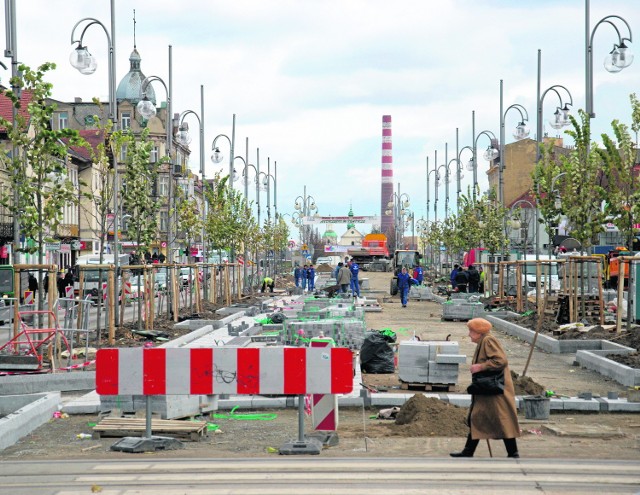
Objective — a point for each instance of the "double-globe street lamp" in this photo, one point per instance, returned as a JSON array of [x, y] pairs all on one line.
[[490, 154], [86, 64], [521, 132], [304, 204], [560, 119], [245, 175], [266, 183], [184, 137], [397, 206], [619, 58], [147, 109], [217, 156]]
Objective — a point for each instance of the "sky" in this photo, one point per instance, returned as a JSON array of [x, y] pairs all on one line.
[[309, 80]]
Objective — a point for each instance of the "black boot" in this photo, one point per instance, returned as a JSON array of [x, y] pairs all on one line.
[[512, 448], [469, 448]]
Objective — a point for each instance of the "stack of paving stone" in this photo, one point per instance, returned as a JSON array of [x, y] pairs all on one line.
[[350, 333], [310, 328], [429, 362], [420, 292], [462, 306], [343, 310]]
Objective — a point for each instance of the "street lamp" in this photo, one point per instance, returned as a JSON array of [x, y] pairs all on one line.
[[561, 119], [459, 174], [147, 109], [490, 154], [245, 175], [397, 205], [304, 204], [82, 60], [516, 223], [521, 132], [217, 156], [184, 137], [619, 58], [266, 182]]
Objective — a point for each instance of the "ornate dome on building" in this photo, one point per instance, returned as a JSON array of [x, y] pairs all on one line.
[[130, 87]]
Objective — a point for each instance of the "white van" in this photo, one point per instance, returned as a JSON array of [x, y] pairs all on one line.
[[92, 277], [548, 271]]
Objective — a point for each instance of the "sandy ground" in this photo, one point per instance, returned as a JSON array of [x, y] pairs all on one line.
[[564, 435]]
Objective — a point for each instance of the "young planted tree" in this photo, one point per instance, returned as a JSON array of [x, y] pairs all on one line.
[[139, 176], [548, 188], [491, 219], [623, 202], [36, 161], [583, 185], [97, 198]]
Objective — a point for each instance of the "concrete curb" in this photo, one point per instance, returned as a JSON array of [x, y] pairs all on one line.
[[57, 382], [24, 414]]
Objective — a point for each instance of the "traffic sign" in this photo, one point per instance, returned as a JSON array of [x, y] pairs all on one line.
[[53, 246]]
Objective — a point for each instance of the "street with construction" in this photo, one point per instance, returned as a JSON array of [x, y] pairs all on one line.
[[591, 416]]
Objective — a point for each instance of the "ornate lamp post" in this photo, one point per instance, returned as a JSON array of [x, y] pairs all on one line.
[[217, 156], [305, 204], [147, 109], [184, 137], [560, 119], [521, 132], [619, 58], [397, 205], [245, 174], [490, 154], [82, 60]]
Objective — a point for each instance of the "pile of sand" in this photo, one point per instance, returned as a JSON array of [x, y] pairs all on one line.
[[421, 416]]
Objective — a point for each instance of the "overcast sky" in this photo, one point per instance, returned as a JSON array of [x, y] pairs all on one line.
[[309, 80]]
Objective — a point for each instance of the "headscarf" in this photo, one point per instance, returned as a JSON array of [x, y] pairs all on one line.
[[479, 325]]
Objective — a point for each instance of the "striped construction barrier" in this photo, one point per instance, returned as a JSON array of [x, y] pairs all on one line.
[[220, 370], [324, 407]]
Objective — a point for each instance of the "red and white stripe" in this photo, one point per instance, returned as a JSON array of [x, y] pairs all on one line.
[[272, 370], [324, 407]]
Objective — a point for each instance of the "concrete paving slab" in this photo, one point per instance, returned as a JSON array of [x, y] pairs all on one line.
[[583, 431], [23, 417]]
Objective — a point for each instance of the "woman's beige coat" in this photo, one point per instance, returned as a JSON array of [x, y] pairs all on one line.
[[494, 416]]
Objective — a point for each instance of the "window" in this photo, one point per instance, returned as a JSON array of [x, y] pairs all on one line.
[[164, 221], [153, 157], [125, 120], [163, 185], [123, 153], [63, 120]]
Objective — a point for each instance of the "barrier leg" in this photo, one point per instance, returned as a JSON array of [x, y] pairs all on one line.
[[147, 443], [302, 445]]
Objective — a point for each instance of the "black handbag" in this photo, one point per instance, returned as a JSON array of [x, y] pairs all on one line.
[[490, 382]]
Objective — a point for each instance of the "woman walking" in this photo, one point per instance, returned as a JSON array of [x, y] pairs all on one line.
[[490, 416]]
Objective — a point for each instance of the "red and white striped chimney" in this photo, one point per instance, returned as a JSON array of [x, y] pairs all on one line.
[[386, 192]]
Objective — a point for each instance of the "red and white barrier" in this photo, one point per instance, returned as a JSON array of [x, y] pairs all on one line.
[[324, 407], [272, 370], [28, 297]]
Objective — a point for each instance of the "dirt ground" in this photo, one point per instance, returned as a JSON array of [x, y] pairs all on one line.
[[423, 426]]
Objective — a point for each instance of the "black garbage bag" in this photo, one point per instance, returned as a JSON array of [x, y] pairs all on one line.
[[277, 318], [376, 355]]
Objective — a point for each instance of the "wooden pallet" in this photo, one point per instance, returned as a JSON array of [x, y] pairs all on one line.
[[125, 427], [428, 387]]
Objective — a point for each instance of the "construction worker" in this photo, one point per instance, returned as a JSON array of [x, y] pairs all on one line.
[[355, 284], [297, 274], [418, 273], [267, 282], [311, 278], [404, 283]]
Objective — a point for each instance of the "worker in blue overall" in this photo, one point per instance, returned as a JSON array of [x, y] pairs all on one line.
[[418, 273], [404, 283], [297, 274], [355, 284], [303, 277], [311, 278]]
